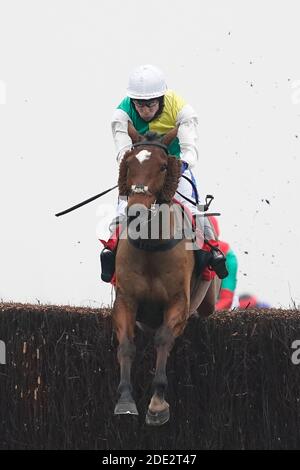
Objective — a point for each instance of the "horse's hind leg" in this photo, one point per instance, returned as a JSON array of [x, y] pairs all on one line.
[[158, 410], [124, 321]]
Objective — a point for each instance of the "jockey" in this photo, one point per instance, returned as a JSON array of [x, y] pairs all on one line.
[[249, 300], [228, 285], [151, 106]]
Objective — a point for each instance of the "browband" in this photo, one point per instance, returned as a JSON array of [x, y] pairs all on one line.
[[155, 144]]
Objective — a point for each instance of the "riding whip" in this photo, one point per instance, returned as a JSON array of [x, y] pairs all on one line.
[[85, 202]]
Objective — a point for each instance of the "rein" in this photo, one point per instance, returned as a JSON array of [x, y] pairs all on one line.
[[147, 245], [208, 199]]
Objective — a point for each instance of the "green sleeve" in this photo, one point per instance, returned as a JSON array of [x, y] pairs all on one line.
[[232, 265], [125, 105]]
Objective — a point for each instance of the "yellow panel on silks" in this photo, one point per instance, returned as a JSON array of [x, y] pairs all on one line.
[[166, 121]]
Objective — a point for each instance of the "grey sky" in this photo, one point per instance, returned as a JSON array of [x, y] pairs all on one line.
[[64, 67]]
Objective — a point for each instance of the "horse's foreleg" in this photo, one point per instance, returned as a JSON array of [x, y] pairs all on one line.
[[124, 321], [208, 304], [173, 326]]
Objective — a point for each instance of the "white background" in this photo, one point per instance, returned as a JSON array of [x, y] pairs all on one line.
[[64, 67]]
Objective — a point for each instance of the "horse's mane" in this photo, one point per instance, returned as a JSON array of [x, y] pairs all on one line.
[[172, 176]]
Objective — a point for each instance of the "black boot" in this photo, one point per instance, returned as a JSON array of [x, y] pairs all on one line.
[[218, 263], [107, 261], [107, 256], [218, 259]]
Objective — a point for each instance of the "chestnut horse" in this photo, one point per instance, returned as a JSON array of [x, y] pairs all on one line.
[[156, 284]]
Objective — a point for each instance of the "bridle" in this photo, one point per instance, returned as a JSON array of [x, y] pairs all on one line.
[[141, 188], [154, 144], [152, 211]]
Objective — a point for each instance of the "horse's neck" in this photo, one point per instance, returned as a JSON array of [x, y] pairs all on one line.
[[165, 222], [168, 222], [161, 223]]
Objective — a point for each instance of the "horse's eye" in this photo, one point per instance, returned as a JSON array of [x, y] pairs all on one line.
[[163, 167]]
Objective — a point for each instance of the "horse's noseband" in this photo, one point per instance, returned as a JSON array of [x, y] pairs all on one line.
[[139, 188]]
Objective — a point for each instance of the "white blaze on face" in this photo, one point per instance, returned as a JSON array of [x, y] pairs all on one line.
[[143, 155]]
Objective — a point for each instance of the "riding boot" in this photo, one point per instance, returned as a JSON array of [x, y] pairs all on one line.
[[108, 254], [107, 262], [217, 261]]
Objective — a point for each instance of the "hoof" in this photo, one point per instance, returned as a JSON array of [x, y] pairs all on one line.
[[126, 408], [159, 418]]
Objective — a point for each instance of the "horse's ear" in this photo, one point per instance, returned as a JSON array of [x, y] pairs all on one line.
[[167, 139], [133, 133]]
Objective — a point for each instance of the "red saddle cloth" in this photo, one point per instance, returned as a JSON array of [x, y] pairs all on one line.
[[207, 273], [113, 241]]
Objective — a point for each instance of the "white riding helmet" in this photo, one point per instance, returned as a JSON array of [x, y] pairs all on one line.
[[146, 82]]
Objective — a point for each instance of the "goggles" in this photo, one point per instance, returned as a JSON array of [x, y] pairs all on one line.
[[148, 103]]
